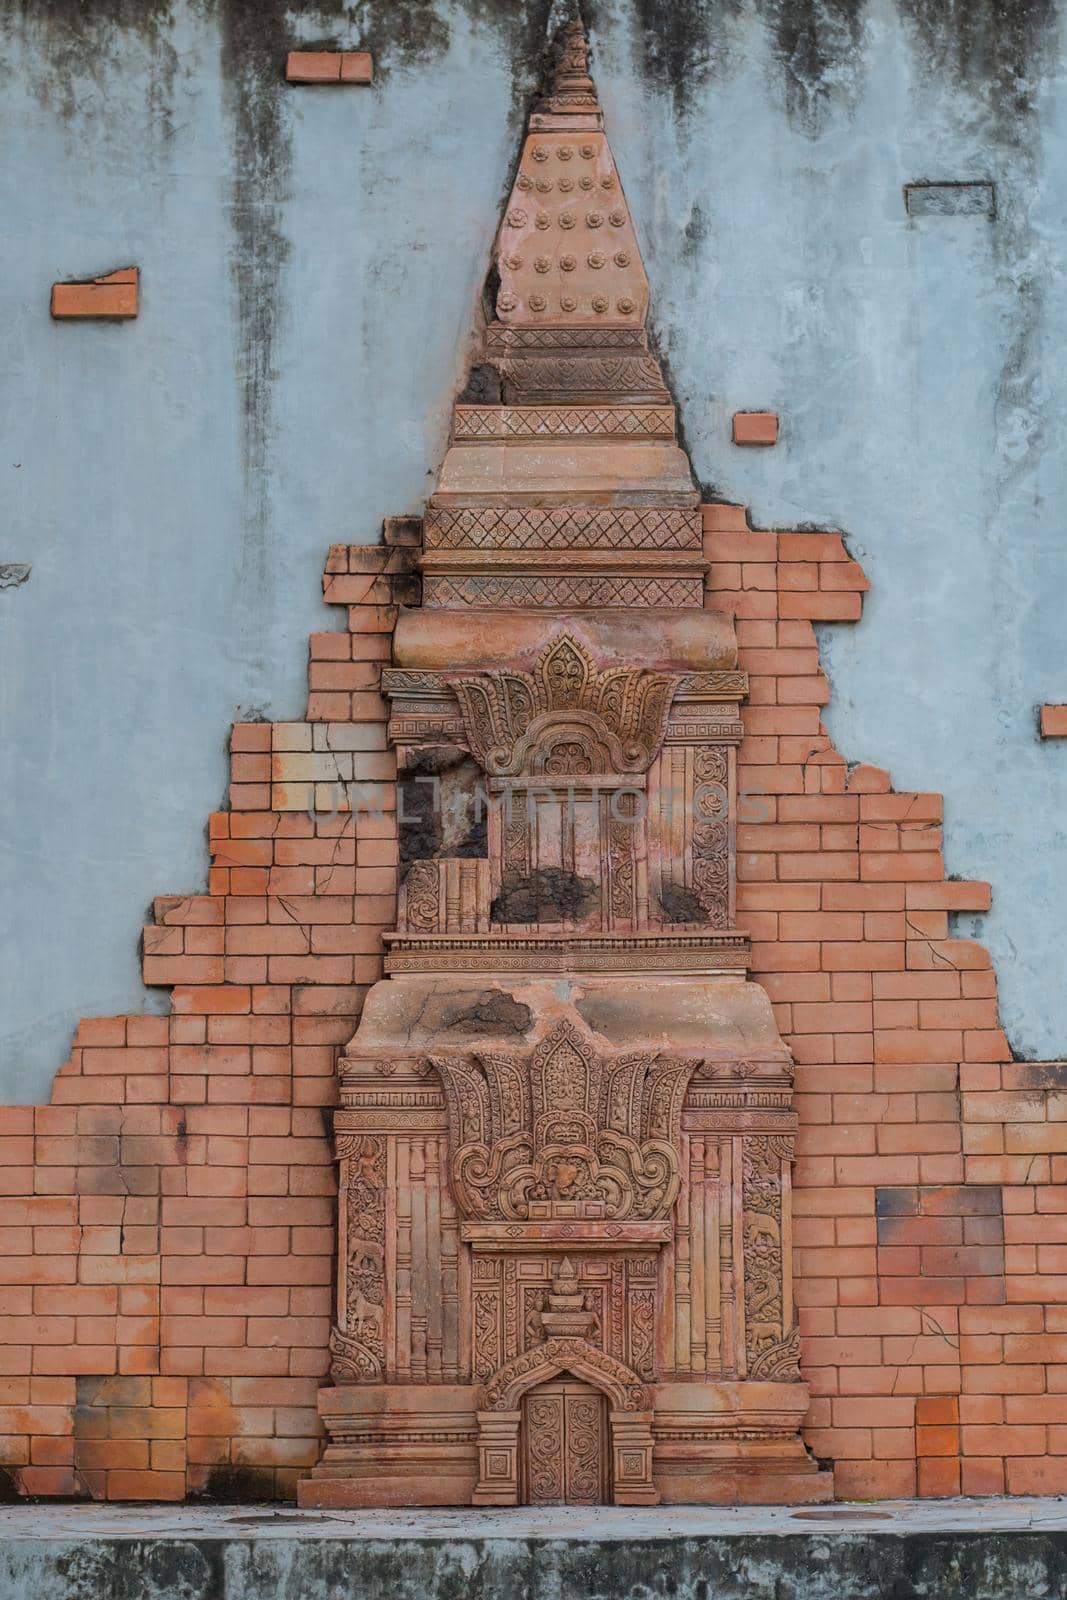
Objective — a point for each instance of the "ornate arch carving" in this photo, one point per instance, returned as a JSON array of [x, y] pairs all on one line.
[[566, 717], [620, 1383], [536, 1133]]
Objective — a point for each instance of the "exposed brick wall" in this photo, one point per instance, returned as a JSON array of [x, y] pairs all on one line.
[[166, 1245], [930, 1217], [167, 1239]]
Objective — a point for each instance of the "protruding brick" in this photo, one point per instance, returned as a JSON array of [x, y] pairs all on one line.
[[755, 427], [1054, 722], [112, 297], [329, 66]]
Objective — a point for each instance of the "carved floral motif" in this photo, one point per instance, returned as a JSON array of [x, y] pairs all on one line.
[[564, 1132], [566, 716], [771, 1352], [618, 1381], [359, 1349]]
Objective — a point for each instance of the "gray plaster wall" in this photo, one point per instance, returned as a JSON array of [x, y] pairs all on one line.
[[310, 260]]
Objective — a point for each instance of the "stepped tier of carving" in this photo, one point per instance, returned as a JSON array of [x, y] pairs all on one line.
[[565, 1129]]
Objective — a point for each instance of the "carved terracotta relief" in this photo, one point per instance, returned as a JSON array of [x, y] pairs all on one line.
[[565, 1130]]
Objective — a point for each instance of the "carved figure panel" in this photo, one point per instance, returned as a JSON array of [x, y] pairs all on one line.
[[358, 1344], [771, 1343]]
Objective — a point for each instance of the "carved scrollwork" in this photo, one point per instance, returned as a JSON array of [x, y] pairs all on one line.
[[359, 1348], [711, 834], [351, 1361], [620, 860], [566, 716], [621, 1384], [779, 1361], [564, 1132], [767, 1345], [643, 1331], [420, 906]]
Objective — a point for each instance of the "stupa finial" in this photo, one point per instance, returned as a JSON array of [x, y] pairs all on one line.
[[569, 90]]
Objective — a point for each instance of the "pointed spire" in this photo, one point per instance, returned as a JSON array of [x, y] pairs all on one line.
[[564, 355], [569, 92], [567, 254]]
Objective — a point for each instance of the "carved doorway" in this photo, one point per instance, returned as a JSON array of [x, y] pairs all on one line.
[[564, 1445]]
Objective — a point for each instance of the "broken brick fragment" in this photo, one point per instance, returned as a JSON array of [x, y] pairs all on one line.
[[114, 296]]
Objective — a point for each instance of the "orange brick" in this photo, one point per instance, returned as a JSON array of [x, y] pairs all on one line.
[[111, 297], [755, 428], [939, 1477], [937, 1410], [313, 66], [982, 1475]]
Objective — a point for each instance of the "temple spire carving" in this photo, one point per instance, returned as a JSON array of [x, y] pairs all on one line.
[[569, 91], [565, 1127]]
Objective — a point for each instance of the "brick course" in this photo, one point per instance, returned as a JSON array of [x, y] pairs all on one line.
[[329, 66]]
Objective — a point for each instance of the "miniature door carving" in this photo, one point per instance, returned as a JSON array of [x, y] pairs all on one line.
[[564, 1445]]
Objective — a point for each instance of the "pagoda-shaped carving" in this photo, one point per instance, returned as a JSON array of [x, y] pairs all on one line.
[[565, 1130]]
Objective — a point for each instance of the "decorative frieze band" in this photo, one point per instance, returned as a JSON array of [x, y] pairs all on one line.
[[563, 528], [577, 378], [500, 340], [502, 952], [551, 591], [562, 422], [398, 681]]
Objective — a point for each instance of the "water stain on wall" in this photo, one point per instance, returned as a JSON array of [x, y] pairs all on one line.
[[681, 43], [685, 44], [997, 54], [819, 45], [83, 40], [255, 36], [998, 50]]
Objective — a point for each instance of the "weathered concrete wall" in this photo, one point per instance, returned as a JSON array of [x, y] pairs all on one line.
[[175, 481], [971, 1551]]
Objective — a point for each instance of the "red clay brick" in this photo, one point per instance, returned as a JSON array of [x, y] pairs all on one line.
[[114, 296], [755, 428]]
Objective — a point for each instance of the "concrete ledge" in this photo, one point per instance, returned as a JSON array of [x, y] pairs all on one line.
[[901, 1550]]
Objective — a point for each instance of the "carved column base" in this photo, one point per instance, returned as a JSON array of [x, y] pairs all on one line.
[[498, 1459], [395, 1445], [631, 1459], [721, 1443]]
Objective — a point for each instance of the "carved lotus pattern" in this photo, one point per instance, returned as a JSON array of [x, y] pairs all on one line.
[[566, 716], [564, 1132]]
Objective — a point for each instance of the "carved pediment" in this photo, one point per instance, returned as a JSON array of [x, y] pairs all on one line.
[[566, 717], [564, 1131], [622, 1385]]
